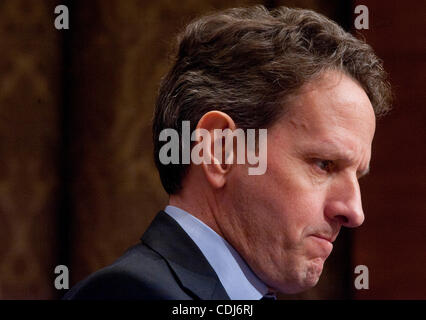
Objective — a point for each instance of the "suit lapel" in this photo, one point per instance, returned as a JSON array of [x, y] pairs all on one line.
[[195, 274]]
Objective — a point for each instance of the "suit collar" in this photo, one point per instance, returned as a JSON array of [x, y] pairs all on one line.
[[168, 239]]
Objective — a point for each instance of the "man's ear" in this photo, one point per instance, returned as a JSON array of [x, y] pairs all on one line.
[[214, 166]]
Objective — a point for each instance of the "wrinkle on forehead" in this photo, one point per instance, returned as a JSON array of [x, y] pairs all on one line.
[[331, 101]]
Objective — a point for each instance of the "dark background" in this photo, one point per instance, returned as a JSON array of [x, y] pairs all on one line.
[[77, 180]]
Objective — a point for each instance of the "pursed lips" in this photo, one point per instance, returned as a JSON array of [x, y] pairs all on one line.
[[326, 241], [328, 238]]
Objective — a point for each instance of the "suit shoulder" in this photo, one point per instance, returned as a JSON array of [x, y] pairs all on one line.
[[139, 274]]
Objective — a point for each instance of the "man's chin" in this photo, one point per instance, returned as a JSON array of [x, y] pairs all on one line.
[[303, 279], [313, 272]]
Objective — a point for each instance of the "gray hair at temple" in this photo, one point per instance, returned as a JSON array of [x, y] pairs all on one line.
[[245, 62]]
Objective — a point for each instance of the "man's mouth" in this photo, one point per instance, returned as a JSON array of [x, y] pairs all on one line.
[[325, 244], [325, 237]]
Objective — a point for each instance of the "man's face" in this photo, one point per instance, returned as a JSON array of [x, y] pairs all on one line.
[[283, 222]]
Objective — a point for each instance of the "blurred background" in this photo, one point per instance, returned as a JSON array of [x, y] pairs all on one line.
[[77, 181]]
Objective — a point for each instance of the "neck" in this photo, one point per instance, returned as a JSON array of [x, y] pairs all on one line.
[[199, 205]]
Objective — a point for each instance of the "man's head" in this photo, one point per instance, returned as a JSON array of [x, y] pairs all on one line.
[[246, 61], [283, 222], [317, 90]]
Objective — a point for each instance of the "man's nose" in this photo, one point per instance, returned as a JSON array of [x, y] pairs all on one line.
[[344, 203]]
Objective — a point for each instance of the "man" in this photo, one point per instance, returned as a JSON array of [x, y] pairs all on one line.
[[227, 234]]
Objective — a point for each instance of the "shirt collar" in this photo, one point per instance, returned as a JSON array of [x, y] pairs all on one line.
[[235, 275]]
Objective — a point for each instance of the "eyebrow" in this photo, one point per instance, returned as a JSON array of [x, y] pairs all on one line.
[[334, 151], [331, 150]]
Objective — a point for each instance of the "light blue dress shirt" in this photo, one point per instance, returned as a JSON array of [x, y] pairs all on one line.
[[239, 281]]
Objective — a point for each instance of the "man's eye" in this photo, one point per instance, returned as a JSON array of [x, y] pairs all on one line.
[[325, 165]]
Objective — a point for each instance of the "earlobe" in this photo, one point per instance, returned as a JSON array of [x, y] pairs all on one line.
[[216, 174]]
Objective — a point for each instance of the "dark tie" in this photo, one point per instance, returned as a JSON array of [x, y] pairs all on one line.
[[268, 297]]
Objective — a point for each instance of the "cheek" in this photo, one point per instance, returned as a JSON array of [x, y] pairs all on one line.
[[258, 203], [283, 204], [305, 216], [296, 202]]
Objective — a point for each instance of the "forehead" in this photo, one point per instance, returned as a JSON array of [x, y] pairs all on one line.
[[330, 108]]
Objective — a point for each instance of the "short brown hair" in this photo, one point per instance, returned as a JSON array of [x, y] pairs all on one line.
[[245, 61]]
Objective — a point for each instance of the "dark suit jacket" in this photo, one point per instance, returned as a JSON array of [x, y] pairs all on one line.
[[167, 264]]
